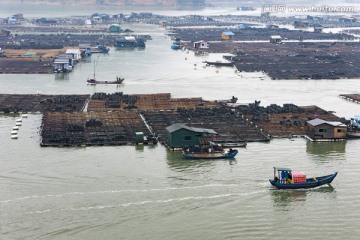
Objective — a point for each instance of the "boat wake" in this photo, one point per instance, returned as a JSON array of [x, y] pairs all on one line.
[[115, 192], [129, 204]]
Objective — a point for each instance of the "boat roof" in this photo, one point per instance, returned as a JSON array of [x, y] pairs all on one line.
[[282, 169]]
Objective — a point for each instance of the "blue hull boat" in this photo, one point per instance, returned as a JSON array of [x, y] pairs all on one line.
[[215, 155], [309, 183]]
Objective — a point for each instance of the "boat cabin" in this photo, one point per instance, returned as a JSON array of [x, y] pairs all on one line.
[[286, 175]]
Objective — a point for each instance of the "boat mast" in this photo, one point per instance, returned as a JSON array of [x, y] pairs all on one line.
[[95, 64]]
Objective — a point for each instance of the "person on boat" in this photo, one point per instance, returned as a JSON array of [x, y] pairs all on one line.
[[289, 178]]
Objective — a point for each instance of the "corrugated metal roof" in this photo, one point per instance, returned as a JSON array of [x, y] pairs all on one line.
[[61, 61], [318, 121], [275, 37], [177, 126], [228, 33]]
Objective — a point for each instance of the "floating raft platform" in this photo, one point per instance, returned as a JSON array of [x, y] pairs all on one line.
[[42, 103], [115, 119], [351, 97], [288, 120], [91, 128], [144, 102]]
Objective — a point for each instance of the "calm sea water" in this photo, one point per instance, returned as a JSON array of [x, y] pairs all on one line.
[[148, 192]]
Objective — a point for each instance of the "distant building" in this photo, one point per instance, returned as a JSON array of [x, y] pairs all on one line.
[[201, 45], [115, 28], [162, 24], [13, 21], [348, 20], [318, 28], [180, 135], [241, 26], [129, 42], [301, 24], [62, 65], [76, 54], [88, 22], [227, 35], [272, 26], [319, 129], [145, 14], [275, 39], [4, 33], [246, 8], [19, 16], [46, 21]]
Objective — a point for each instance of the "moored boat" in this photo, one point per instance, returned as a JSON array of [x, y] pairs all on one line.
[[210, 154], [285, 178], [220, 63], [94, 81], [234, 144]]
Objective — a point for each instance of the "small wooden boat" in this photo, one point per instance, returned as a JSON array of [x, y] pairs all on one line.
[[219, 63], [94, 81], [284, 178], [234, 144], [210, 155]]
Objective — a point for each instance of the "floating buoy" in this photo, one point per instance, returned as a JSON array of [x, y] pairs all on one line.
[[15, 128], [14, 136], [13, 132]]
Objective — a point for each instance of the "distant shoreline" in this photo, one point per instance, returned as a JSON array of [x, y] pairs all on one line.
[[83, 3]]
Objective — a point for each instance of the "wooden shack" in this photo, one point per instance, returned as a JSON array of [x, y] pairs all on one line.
[[275, 39], [180, 135], [319, 129], [227, 35]]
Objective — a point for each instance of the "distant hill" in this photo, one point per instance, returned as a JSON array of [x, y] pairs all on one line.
[[117, 2]]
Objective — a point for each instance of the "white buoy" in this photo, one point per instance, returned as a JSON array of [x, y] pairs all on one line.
[[14, 132], [14, 136], [15, 128]]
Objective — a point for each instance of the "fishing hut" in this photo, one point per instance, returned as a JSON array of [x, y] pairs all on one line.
[[321, 130], [180, 135]]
